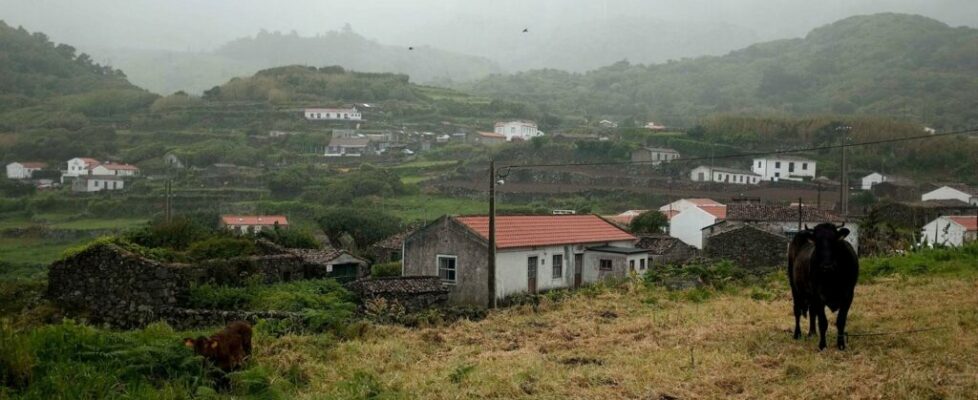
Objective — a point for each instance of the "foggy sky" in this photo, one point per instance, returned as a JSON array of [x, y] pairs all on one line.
[[200, 25]]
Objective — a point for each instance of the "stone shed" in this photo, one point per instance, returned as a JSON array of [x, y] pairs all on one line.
[[748, 246], [664, 249], [415, 293]]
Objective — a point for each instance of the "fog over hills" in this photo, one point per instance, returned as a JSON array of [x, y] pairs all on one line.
[[190, 45]]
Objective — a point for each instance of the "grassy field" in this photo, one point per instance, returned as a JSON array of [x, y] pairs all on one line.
[[33, 250]]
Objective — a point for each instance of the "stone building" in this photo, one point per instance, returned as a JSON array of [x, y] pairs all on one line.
[[748, 246], [664, 250], [414, 293]]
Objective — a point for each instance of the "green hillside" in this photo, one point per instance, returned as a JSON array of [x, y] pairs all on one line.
[[894, 65], [44, 84]]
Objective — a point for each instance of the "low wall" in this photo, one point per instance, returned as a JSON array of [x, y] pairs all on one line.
[[183, 318], [414, 293]]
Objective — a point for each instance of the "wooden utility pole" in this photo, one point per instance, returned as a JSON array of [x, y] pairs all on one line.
[[491, 267], [844, 181], [799, 214]]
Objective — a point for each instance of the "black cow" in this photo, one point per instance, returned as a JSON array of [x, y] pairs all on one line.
[[824, 269], [801, 306]]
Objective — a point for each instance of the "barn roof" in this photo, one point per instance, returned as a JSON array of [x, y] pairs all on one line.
[[254, 219], [546, 230], [969, 222]]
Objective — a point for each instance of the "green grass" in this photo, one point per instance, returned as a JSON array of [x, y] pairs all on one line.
[[421, 164], [941, 261], [413, 179], [33, 250], [97, 223]]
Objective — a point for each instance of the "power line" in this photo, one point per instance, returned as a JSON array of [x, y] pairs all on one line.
[[970, 131]]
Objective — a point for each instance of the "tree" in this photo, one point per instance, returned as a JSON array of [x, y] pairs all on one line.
[[365, 227], [648, 222]]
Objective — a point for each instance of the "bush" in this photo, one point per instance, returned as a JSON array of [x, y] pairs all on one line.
[[392, 268], [177, 234], [221, 247], [365, 228], [292, 238]]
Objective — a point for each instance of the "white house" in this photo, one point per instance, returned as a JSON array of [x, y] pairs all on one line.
[[950, 230], [523, 130], [347, 147], [79, 166], [872, 179], [24, 170], [652, 126], [705, 173], [687, 225], [332, 114], [683, 204], [654, 155], [251, 224], [782, 167], [607, 124], [533, 254], [115, 169], [95, 183], [952, 192]]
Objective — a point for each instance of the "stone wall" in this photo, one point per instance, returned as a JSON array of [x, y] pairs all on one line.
[[415, 293], [749, 247], [107, 284], [182, 318]]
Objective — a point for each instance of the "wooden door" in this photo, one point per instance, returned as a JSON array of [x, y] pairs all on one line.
[[578, 267], [531, 274]]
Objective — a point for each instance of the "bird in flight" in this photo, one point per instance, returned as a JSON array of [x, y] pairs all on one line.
[[411, 48], [525, 30]]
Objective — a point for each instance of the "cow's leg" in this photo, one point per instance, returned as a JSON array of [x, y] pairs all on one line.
[[823, 325], [840, 326], [798, 311], [811, 321]]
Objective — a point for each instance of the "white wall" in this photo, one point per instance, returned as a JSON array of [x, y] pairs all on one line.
[[98, 185], [771, 168], [946, 193], [332, 114], [17, 171], [943, 231], [76, 167], [518, 129], [511, 268], [872, 179], [688, 225]]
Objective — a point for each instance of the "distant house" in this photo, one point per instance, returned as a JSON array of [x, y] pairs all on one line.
[[652, 126], [251, 224], [952, 192], [680, 205], [332, 114], [705, 173], [783, 167], [489, 138], [348, 147], [950, 230], [97, 183], [625, 218], [534, 253], [607, 124], [686, 224], [747, 245], [79, 166], [115, 169], [872, 179], [654, 155], [278, 134], [521, 130], [24, 170]]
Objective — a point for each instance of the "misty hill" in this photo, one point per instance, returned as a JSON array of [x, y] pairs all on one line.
[[895, 65], [572, 47], [46, 84], [168, 71]]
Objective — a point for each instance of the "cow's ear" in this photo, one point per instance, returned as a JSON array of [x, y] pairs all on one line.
[[189, 342], [842, 233]]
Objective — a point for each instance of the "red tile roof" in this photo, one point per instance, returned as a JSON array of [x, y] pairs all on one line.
[[90, 162], [116, 166], [492, 135], [39, 165], [546, 230], [704, 202], [717, 211], [969, 222], [254, 220]]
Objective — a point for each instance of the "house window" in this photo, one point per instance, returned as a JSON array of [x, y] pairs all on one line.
[[641, 264], [777, 164], [604, 265], [447, 268], [791, 167], [631, 265], [558, 266], [700, 176], [804, 166], [777, 174], [758, 164]]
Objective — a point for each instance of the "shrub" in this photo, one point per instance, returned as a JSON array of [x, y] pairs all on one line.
[[292, 238], [392, 268], [221, 247], [177, 234]]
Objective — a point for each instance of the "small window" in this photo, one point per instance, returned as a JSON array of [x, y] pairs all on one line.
[[804, 166], [758, 164], [641, 264], [777, 164], [558, 266], [777, 174], [631, 265], [447, 268], [791, 167], [604, 265]]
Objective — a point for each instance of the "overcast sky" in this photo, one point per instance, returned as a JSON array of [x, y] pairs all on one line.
[[206, 24]]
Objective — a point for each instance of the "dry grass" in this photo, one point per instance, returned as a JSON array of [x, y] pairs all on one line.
[[641, 345]]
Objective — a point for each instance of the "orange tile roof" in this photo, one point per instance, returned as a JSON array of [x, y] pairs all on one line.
[[34, 165], [546, 230], [716, 211], [90, 162], [116, 166], [254, 220], [969, 222], [491, 135], [704, 202]]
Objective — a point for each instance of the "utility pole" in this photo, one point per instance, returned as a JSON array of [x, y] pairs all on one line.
[[491, 268], [844, 190]]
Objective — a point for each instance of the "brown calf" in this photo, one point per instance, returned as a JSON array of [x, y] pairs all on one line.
[[228, 348]]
